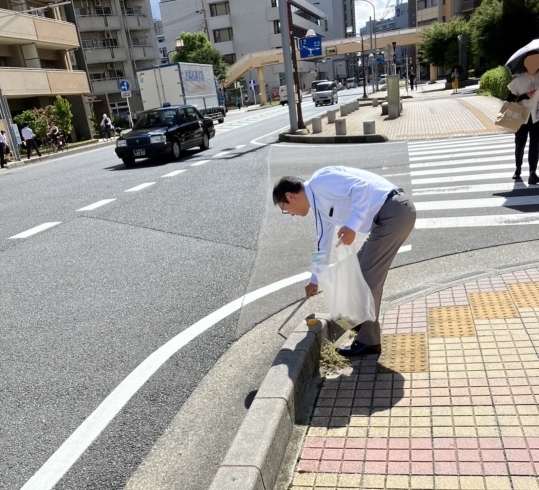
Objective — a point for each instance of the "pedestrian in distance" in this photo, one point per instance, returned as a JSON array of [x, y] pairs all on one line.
[[134, 116], [455, 80], [28, 138], [106, 127], [3, 144], [522, 89], [412, 79], [246, 100], [7, 149], [353, 200], [238, 103]]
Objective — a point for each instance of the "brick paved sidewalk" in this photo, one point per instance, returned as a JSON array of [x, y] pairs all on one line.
[[452, 403]]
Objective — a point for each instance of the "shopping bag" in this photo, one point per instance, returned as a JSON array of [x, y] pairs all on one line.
[[345, 290], [512, 116]]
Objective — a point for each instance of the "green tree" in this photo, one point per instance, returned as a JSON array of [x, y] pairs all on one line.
[[439, 42], [197, 49], [61, 112], [39, 120], [499, 28]]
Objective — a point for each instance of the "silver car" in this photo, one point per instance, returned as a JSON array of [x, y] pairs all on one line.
[[326, 93]]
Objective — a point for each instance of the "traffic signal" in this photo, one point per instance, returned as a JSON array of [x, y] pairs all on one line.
[[331, 51]]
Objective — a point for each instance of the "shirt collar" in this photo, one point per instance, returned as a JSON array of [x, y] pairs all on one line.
[[309, 193]]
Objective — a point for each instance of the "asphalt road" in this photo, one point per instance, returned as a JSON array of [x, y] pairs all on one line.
[[86, 301]]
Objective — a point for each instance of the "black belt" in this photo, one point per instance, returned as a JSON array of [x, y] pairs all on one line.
[[394, 192]]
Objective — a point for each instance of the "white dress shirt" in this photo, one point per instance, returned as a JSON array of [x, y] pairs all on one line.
[[524, 84], [344, 196], [27, 133], [3, 139]]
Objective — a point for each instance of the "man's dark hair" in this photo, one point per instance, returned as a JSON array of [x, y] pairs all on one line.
[[286, 184]]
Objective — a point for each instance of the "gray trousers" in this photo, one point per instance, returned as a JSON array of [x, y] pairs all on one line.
[[391, 228]]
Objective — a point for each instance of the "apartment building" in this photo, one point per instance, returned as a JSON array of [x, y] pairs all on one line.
[[35, 65], [429, 11], [117, 38], [239, 27], [161, 45]]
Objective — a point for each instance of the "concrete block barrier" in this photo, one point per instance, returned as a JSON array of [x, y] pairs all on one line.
[[317, 125], [375, 102], [340, 126], [369, 127], [356, 103], [344, 111], [332, 115], [385, 106]]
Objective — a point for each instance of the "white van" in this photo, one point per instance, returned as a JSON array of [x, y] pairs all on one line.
[[314, 84], [351, 83], [283, 95]]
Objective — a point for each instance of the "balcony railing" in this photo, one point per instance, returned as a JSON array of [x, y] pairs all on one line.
[[105, 54], [31, 82], [98, 22]]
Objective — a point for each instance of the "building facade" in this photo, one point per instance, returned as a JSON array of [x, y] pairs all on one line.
[[429, 11], [239, 27], [35, 62], [117, 38], [161, 45]]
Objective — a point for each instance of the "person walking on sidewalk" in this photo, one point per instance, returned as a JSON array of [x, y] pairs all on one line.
[[106, 127], [238, 103], [29, 140], [455, 78], [522, 90], [3, 144], [412, 80], [353, 200]]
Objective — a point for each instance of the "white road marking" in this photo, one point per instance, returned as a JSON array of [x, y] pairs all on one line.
[[140, 187], [36, 229], [405, 248], [489, 202], [463, 178], [75, 445], [196, 164], [239, 146], [504, 158], [457, 150], [472, 221], [457, 189], [96, 205], [458, 155], [221, 154], [173, 174], [452, 144], [458, 170]]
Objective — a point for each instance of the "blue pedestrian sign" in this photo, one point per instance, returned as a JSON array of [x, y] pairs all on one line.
[[124, 85], [310, 46], [252, 85]]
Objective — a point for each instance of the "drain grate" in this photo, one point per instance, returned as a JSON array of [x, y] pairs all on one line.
[[525, 295], [404, 353], [451, 321], [488, 306]]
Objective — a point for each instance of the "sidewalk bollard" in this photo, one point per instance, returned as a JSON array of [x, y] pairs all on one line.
[[340, 127], [369, 127], [351, 107], [317, 125], [357, 105], [344, 111], [332, 115], [375, 102]]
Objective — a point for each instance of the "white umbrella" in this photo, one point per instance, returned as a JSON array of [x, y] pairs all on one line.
[[515, 64]]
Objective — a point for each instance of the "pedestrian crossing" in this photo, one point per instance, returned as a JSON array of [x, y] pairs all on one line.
[[466, 182], [257, 116]]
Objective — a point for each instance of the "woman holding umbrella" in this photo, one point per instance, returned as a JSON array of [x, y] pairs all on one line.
[[522, 89]]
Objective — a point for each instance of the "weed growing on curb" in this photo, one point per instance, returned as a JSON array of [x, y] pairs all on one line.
[[330, 361]]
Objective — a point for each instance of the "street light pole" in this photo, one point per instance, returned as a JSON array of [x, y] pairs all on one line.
[[301, 124], [287, 61], [363, 67], [374, 29], [203, 11]]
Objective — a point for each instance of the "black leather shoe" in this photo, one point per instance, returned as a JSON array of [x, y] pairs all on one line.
[[533, 179], [359, 349], [516, 175]]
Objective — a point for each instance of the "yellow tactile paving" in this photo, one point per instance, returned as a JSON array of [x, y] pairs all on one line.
[[488, 306], [404, 353], [525, 295], [450, 321]]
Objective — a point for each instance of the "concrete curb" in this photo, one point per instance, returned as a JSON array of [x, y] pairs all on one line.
[[254, 459], [44, 158], [318, 140]]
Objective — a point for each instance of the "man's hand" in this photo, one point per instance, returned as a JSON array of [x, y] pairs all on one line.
[[311, 289], [346, 235]]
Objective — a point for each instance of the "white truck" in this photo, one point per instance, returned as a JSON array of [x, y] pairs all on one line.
[[179, 84]]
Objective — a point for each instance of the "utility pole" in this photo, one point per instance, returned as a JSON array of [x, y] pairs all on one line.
[[363, 67], [287, 60], [301, 124]]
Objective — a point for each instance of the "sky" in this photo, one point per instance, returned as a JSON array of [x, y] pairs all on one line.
[[363, 11]]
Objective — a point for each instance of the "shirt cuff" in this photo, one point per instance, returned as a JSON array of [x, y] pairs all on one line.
[[354, 223], [314, 279]]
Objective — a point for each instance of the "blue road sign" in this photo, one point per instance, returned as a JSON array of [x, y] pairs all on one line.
[[310, 46], [124, 85], [252, 84]]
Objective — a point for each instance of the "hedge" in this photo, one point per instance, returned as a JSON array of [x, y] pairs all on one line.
[[495, 82]]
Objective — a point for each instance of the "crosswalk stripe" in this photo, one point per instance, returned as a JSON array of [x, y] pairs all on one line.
[[456, 151], [503, 158], [489, 202], [458, 189], [463, 139], [461, 178], [466, 154], [478, 168], [474, 221], [452, 144]]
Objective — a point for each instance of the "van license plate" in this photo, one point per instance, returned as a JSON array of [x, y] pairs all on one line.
[[139, 153]]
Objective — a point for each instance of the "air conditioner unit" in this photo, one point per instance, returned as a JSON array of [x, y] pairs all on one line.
[[97, 3], [111, 66]]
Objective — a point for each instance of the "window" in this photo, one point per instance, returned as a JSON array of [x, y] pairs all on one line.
[[163, 52], [103, 11], [139, 41], [230, 58], [277, 27], [219, 9], [109, 43], [223, 35], [50, 64], [3, 62], [116, 73], [133, 11], [97, 76], [274, 3], [192, 114], [87, 44], [81, 12]]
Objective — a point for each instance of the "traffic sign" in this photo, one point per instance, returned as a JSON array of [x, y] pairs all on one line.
[[124, 85], [252, 85], [127, 94], [310, 46]]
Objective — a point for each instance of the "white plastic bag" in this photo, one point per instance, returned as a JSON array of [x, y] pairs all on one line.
[[346, 292]]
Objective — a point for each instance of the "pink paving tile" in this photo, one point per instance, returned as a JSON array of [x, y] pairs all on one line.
[[421, 443], [311, 453], [492, 455], [534, 453], [461, 400], [356, 443], [325, 402], [444, 443], [470, 469], [517, 455], [422, 468], [332, 454], [354, 454], [439, 383], [329, 466], [352, 467], [377, 443], [398, 468], [445, 468], [375, 467], [467, 443], [376, 455], [445, 455], [495, 469], [525, 400], [399, 443], [478, 382], [314, 442], [308, 466], [335, 442], [514, 442], [439, 391], [500, 390], [481, 400], [399, 455], [521, 468], [455, 383], [498, 382], [424, 455], [502, 400], [490, 443]]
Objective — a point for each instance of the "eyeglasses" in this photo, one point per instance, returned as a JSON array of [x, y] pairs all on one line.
[[283, 210]]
